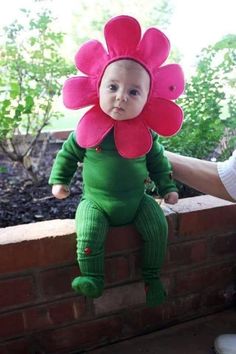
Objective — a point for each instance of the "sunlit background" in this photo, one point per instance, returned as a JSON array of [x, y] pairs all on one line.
[[190, 25], [193, 24]]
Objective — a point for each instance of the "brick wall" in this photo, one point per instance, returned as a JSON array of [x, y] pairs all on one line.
[[39, 313]]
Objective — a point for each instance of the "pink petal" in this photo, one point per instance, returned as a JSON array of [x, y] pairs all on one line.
[[154, 48], [168, 82], [132, 138], [91, 58], [93, 127], [122, 34], [79, 91], [163, 116]]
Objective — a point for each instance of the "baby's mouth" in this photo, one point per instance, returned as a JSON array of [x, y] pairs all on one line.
[[118, 109]]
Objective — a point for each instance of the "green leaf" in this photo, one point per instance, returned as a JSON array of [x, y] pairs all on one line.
[[14, 90], [29, 103]]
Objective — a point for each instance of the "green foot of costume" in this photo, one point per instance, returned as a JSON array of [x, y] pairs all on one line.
[[155, 293], [92, 228], [88, 286], [152, 225]]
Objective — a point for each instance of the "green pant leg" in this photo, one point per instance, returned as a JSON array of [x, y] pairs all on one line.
[[152, 225], [91, 228]]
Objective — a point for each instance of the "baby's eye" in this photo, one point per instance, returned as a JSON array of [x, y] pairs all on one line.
[[134, 92], [112, 87]]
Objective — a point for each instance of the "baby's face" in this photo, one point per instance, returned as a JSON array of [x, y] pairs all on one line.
[[124, 89]]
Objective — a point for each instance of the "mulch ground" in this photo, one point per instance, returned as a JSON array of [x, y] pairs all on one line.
[[23, 202]]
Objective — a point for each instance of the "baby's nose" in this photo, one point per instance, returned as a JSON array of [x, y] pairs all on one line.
[[121, 96]]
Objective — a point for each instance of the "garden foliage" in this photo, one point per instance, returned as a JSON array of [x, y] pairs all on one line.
[[209, 105], [32, 71], [31, 76]]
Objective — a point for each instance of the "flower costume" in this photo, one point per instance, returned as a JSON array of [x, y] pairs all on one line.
[[160, 114], [119, 155]]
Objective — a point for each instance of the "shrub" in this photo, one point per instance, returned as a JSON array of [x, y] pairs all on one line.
[[209, 104], [31, 73]]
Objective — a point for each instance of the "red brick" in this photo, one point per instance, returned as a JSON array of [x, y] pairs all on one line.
[[199, 251], [223, 245], [188, 305], [141, 320], [122, 297], [220, 275], [16, 291], [214, 298], [27, 345], [18, 256], [190, 281], [117, 269], [200, 279], [49, 315], [187, 253], [38, 244], [62, 312], [168, 282], [168, 313], [11, 324], [57, 281], [122, 238], [152, 318], [38, 253], [135, 260], [126, 238], [3, 349], [80, 336], [133, 322], [69, 310], [172, 221], [212, 221], [58, 250], [61, 135], [37, 318], [18, 346]]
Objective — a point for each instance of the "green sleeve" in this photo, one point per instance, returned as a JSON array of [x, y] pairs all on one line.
[[159, 168], [66, 162]]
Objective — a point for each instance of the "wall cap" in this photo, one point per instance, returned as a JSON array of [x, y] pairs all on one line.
[[38, 230], [65, 227]]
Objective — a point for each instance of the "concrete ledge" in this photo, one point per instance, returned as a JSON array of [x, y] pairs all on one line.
[[38, 230], [62, 227]]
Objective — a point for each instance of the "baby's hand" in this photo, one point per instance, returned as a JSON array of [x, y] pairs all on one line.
[[171, 198], [60, 191]]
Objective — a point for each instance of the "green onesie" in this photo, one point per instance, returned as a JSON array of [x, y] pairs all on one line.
[[114, 195]]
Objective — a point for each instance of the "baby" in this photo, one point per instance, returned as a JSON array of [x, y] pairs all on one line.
[[119, 149]]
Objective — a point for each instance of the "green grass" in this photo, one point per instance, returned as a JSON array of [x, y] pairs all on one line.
[[64, 123], [67, 122]]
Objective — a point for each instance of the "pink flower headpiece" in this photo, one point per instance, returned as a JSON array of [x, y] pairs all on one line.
[[133, 136]]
